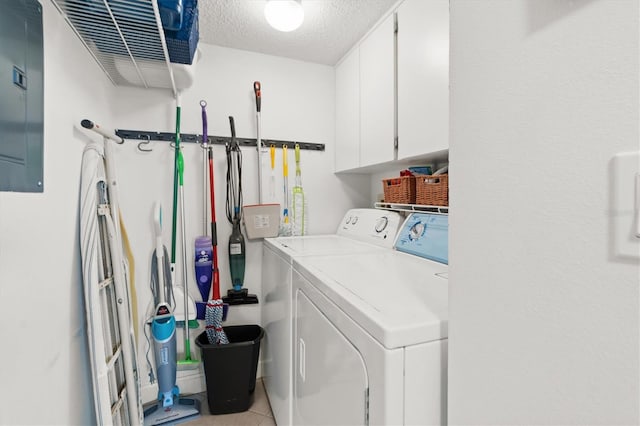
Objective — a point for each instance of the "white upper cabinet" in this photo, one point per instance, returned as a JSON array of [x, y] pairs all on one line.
[[377, 94], [423, 77], [395, 86], [348, 113]]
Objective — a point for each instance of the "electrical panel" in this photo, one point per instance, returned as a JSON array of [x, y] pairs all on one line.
[[21, 96]]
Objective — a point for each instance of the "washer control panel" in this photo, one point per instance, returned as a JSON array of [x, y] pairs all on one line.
[[425, 235], [371, 225]]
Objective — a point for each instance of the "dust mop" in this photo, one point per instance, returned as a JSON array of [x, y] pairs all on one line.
[[170, 407], [299, 207]]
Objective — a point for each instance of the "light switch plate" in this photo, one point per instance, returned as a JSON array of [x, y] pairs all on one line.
[[624, 204]]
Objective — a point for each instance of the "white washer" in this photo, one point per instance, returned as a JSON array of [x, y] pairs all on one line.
[[360, 231], [370, 332]]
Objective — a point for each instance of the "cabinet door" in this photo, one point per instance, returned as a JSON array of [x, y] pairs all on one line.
[[377, 87], [347, 153], [423, 77], [276, 320]]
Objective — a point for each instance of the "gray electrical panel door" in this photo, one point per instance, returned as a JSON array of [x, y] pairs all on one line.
[[21, 96]]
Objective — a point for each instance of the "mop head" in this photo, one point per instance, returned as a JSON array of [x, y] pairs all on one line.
[[182, 410], [213, 317]]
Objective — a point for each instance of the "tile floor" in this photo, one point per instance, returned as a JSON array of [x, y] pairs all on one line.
[[258, 415]]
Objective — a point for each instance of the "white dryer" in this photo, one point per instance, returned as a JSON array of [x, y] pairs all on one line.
[[370, 332], [360, 231]]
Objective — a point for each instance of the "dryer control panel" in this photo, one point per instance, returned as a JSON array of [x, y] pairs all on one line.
[[371, 225], [425, 235]]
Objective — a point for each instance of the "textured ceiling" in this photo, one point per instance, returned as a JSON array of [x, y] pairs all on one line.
[[329, 30]]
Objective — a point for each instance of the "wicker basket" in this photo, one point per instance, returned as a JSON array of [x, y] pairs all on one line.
[[400, 190], [432, 190]]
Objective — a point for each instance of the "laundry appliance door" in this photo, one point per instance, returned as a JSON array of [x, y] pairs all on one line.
[[330, 377]]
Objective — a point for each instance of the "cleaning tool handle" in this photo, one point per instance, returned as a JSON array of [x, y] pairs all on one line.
[[176, 178], [285, 162], [256, 90], [214, 231], [157, 219], [272, 152], [297, 151], [181, 167], [205, 134]]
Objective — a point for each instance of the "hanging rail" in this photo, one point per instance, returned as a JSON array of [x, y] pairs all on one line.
[[215, 140]]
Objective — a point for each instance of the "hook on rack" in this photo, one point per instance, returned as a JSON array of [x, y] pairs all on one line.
[[147, 142]]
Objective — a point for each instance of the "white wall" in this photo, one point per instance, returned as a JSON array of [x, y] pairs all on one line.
[[297, 104], [544, 324], [44, 362]]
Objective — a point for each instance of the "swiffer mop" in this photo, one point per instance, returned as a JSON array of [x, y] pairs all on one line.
[[237, 295], [204, 265], [170, 407]]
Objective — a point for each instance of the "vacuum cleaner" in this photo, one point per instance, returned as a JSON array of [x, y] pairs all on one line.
[[170, 407], [237, 257]]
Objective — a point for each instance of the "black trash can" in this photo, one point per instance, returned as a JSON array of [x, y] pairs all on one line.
[[230, 370]]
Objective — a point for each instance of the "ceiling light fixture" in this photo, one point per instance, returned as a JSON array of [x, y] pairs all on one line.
[[284, 15]]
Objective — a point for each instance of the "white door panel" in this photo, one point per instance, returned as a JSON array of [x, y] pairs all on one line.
[[330, 374]]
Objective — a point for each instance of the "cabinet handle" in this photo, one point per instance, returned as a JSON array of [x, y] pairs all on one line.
[[302, 361], [637, 207]]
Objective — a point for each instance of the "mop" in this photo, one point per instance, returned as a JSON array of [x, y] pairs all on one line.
[[170, 407], [215, 308]]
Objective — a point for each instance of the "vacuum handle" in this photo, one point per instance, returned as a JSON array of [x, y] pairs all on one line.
[[233, 128], [256, 90]]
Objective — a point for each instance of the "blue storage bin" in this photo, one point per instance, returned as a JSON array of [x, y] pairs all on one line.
[[182, 44], [170, 14]]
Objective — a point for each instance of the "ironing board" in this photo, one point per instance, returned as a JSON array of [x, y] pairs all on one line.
[[111, 341]]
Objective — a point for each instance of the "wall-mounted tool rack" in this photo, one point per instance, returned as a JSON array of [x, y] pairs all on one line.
[[215, 140]]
